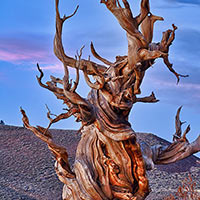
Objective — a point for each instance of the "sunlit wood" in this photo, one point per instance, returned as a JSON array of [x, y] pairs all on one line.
[[110, 163]]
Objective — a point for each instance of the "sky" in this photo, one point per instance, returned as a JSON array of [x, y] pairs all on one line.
[[27, 29]]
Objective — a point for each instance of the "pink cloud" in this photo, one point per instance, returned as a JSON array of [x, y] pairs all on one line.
[[185, 86], [53, 68], [192, 89], [28, 49], [19, 56], [57, 68]]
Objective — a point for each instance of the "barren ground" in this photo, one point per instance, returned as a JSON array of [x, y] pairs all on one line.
[[27, 167]]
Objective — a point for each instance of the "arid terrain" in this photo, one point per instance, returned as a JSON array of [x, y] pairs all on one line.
[[27, 166]]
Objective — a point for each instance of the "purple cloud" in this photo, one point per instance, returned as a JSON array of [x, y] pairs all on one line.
[[54, 68], [183, 86], [20, 56], [187, 42], [185, 93], [28, 49], [195, 2]]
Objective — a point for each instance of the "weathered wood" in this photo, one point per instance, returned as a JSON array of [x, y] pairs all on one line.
[[110, 164]]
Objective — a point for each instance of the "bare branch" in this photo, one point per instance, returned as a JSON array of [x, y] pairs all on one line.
[[179, 149], [118, 3], [113, 79], [77, 70], [185, 132], [49, 113], [72, 111], [76, 103], [125, 18], [97, 85], [49, 85], [39, 78], [148, 99], [178, 125], [59, 49], [72, 96], [109, 162], [167, 39], [59, 152], [56, 80], [144, 10], [147, 26], [67, 17], [96, 55], [169, 66]]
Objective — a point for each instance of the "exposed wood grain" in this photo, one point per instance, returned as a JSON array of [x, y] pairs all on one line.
[[110, 164]]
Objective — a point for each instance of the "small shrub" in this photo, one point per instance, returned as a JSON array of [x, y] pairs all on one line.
[[186, 191]]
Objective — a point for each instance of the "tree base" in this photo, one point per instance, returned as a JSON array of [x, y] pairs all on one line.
[[105, 169]]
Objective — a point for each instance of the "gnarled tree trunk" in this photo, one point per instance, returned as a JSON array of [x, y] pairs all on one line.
[[110, 164]]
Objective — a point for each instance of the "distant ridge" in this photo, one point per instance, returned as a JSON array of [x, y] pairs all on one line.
[[27, 167]]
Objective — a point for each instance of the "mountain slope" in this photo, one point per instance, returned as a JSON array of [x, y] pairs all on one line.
[[27, 167]]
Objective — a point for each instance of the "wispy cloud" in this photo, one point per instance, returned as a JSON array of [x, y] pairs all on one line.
[[184, 86], [194, 2], [53, 68], [185, 93], [22, 50], [187, 42], [20, 56], [28, 51]]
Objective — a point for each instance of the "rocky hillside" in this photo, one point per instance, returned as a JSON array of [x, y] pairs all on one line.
[[27, 167]]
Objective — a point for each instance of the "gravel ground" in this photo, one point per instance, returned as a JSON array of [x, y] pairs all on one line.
[[27, 167]]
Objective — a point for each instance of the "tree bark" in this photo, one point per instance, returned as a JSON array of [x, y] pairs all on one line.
[[110, 164]]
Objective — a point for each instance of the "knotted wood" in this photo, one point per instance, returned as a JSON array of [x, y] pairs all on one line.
[[110, 163]]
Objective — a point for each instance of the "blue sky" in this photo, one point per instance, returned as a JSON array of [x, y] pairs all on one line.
[[26, 37]]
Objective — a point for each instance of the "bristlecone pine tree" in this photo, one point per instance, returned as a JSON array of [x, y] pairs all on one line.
[[110, 163]]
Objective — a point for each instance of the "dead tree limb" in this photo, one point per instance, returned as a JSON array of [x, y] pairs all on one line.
[[110, 164]]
